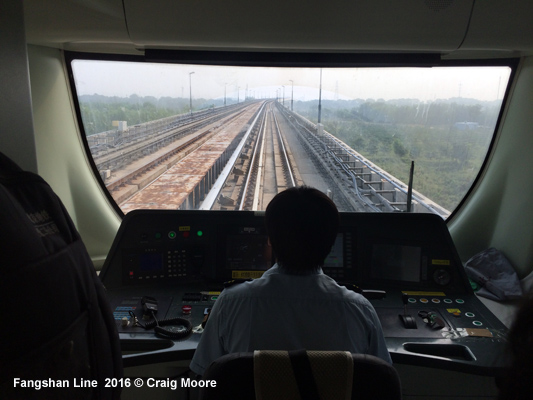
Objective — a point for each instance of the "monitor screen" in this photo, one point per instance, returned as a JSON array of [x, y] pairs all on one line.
[[335, 258], [396, 262], [248, 252], [150, 262]]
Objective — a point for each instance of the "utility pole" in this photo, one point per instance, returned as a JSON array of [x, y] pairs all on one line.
[[320, 98], [190, 92], [292, 92]]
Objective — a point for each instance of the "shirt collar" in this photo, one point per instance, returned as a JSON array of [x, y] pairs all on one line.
[[278, 269]]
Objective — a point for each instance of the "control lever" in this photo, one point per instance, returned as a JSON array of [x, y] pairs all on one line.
[[432, 319], [409, 322], [370, 294]]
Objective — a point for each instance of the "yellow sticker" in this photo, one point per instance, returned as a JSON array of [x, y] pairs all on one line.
[[440, 262], [453, 310], [246, 274], [185, 228], [411, 293], [478, 332]]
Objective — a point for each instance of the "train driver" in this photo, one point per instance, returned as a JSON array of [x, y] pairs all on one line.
[[294, 305]]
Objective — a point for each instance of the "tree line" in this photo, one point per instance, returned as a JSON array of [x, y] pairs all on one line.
[[98, 112]]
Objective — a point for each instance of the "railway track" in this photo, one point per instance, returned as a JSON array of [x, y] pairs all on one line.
[[263, 167], [129, 182], [142, 141], [271, 170], [243, 158]]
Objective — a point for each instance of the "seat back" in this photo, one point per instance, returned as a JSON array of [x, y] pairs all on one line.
[[57, 322], [371, 377]]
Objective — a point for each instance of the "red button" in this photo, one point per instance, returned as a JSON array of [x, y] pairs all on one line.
[[186, 310]]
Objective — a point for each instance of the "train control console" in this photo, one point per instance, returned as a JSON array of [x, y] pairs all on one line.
[[166, 269]]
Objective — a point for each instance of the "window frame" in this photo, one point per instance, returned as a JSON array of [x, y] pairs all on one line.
[[304, 60]]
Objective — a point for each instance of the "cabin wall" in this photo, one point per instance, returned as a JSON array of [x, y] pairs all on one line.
[[500, 211], [62, 161], [16, 128]]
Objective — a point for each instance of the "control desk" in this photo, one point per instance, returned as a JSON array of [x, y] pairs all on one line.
[[171, 265]]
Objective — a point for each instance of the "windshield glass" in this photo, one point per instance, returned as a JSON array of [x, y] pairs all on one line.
[[169, 136]]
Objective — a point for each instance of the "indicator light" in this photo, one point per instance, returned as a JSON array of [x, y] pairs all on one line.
[[172, 235], [157, 236], [199, 233], [186, 234]]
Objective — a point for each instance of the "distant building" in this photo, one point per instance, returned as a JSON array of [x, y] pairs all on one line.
[[121, 125], [464, 126]]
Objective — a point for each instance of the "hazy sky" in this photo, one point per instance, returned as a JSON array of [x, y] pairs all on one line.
[[145, 79]]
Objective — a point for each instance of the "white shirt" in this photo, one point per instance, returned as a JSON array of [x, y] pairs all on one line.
[[282, 311]]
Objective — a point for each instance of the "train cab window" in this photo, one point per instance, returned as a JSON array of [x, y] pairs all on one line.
[[229, 137]]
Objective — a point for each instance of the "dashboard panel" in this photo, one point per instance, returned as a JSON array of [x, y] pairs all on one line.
[[404, 263]]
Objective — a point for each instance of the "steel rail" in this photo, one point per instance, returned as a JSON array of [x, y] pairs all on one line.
[[250, 173], [213, 194], [284, 152]]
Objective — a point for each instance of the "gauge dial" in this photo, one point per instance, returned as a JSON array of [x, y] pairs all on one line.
[[442, 277]]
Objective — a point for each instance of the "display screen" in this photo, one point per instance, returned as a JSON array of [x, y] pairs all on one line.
[[248, 252], [335, 258], [150, 262], [396, 262]]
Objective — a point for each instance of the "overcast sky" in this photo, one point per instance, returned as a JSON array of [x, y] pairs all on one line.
[[159, 80]]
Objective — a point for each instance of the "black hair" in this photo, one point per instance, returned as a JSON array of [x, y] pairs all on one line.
[[302, 224]]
